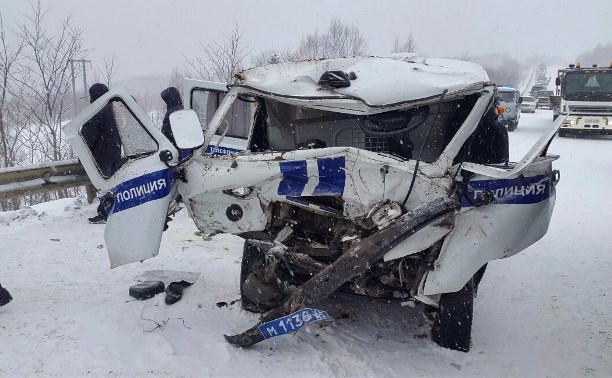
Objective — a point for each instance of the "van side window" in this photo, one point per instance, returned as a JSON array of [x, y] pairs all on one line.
[[238, 118], [114, 135]]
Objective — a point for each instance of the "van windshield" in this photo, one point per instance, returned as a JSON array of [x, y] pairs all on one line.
[[402, 133], [506, 96]]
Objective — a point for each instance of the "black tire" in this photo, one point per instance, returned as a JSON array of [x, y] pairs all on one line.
[[255, 294], [5, 296], [452, 327], [146, 289]]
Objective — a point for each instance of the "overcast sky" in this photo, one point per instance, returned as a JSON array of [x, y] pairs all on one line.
[[154, 36]]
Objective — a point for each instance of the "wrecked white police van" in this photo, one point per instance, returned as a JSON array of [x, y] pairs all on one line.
[[379, 176]]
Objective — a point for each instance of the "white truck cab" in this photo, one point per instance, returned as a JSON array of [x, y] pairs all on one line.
[[586, 100]]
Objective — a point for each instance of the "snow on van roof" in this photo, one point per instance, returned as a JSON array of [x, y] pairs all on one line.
[[380, 81]]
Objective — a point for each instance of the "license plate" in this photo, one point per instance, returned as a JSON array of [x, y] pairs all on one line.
[[591, 120], [292, 322]]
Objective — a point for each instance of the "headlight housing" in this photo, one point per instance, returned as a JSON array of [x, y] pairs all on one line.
[[239, 192]]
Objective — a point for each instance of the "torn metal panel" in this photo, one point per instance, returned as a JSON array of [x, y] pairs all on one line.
[[361, 178], [353, 262], [516, 213]]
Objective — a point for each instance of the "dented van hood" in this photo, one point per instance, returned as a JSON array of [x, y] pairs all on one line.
[[380, 82]]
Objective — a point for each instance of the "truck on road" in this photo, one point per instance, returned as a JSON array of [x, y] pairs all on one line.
[[543, 99], [586, 98]]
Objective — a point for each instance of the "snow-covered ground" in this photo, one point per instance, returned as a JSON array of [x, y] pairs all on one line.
[[544, 312]]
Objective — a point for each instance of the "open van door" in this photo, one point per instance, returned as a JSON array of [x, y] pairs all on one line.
[[126, 157], [205, 97], [505, 208]]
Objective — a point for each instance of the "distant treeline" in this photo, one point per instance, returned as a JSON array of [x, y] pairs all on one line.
[[600, 55]]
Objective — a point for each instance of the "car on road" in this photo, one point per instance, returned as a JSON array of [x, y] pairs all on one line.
[[528, 104]]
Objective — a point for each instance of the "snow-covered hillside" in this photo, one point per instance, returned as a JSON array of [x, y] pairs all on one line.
[[544, 312]]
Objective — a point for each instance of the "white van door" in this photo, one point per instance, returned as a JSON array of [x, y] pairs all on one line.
[[122, 152], [504, 209], [205, 97]]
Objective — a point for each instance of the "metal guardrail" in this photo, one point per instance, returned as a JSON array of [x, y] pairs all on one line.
[[38, 178]]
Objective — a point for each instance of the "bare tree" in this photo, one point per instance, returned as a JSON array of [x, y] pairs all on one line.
[[340, 40], [220, 61], [502, 69], [407, 46], [9, 133], [600, 54], [176, 78], [266, 57], [45, 77], [109, 70]]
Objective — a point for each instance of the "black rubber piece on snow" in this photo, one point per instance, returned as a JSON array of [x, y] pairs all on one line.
[[174, 291], [355, 261], [147, 289], [5, 296], [256, 295], [98, 219], [250, 254]]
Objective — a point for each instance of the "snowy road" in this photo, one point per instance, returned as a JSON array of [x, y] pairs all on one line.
[[544, 312]]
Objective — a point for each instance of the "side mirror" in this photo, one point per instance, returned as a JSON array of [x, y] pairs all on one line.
[[186, 129], [558, 81], [520, 101]]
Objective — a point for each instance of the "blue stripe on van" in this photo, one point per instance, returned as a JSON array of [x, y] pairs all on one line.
[[294, 179], [143, 189], [331, 177], [522, 190]]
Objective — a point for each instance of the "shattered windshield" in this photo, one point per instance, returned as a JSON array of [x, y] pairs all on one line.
[[402, 133], [583, 86]]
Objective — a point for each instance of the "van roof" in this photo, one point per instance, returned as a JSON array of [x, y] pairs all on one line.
[[380, 81]]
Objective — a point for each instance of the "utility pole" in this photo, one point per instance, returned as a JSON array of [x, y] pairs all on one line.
[[90, 190], [82, 61], [74, 112]]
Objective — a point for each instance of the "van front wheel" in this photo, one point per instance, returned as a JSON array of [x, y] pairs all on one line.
[[452, 326]]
